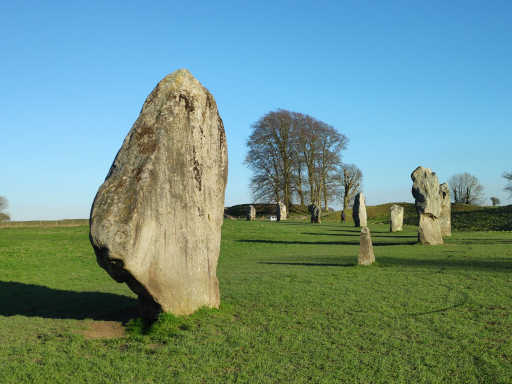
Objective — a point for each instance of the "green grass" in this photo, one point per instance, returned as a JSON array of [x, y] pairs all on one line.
[[295, 309]]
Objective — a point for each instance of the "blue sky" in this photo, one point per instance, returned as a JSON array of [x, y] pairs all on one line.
[[409, 82]]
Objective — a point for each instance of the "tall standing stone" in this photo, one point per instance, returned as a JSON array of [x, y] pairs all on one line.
[[445, 219], [397, 218], [156, 220], [425, 190], [316, 213], [251, 213], [366, 255], [359, 210], [280, 211]]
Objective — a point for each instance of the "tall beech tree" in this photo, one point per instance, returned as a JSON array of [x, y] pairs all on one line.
[[351, 182], [466, 188], [294, 158]]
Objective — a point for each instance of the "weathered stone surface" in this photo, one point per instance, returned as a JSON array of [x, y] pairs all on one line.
[[397, 218], [366, 255], [445, 218], [155, 222], [359, 210], [251, 213], [280, 211], [316, 213], [425, 190]]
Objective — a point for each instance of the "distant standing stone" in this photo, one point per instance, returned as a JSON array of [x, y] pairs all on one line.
[[251, 213], [359, 210], [280, 211], [155, 222], [316, 213], [425, 190], [445, 219], [366, 256], [397, 218]]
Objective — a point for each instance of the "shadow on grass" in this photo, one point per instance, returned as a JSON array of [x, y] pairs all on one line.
[[307, 264], [375, 243], [481, 241], [414, 236], [386, 261], [36, 300]]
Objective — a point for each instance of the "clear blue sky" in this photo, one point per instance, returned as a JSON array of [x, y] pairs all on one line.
[[409, 82]]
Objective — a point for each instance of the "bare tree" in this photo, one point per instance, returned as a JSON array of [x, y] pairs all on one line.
[[3, 206], [466, 188], [271, 157], [319, 147], [329, 164], [294, 157], [351, 180], [508, 187], [495, 201]]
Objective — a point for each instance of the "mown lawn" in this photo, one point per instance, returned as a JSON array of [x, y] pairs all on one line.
[[295, 309]]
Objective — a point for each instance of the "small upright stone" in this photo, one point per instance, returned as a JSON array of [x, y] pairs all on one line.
[[280, 211], [445, 219], [425, 190], [366, 256], [359, 210], [316, 213], [251, 213], [397, 218], [155, 222]]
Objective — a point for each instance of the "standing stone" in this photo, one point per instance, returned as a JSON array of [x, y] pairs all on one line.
[[359, 210], [425, 190], [316, 213], [397, 218], [366, 256], [251, 213], [445, 219], [155, 222], [280, 211]]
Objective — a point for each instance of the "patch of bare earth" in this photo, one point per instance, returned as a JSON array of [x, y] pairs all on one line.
[[104, 330]]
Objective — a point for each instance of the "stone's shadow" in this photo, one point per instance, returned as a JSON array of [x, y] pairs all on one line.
[[415, 236], [375, 243], [308, 264], [481, 241], [504, 265], [39, 301]]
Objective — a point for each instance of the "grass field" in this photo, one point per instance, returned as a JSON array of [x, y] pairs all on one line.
[[295, 309]]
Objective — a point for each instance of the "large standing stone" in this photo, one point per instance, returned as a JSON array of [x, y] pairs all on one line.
[[359, 210], [425, 190], [316, 213], [155, 222], [251, 213], [397, 218], [445, 219], [366, 256], [280, 211]]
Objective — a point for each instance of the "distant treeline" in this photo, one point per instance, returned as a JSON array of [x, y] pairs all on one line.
[[464, 217], [46, 223]]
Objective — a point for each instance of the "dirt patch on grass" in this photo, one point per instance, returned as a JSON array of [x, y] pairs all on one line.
[[104, 330]]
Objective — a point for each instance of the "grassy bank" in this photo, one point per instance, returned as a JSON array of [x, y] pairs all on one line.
[[464, 217], [295, 309]]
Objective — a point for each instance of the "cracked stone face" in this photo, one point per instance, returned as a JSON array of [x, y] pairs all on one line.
[[397, 218], [445, 218], [251, 213], [359, 210], [155, 222], [366, 255], [281, 212], [425, 190]]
